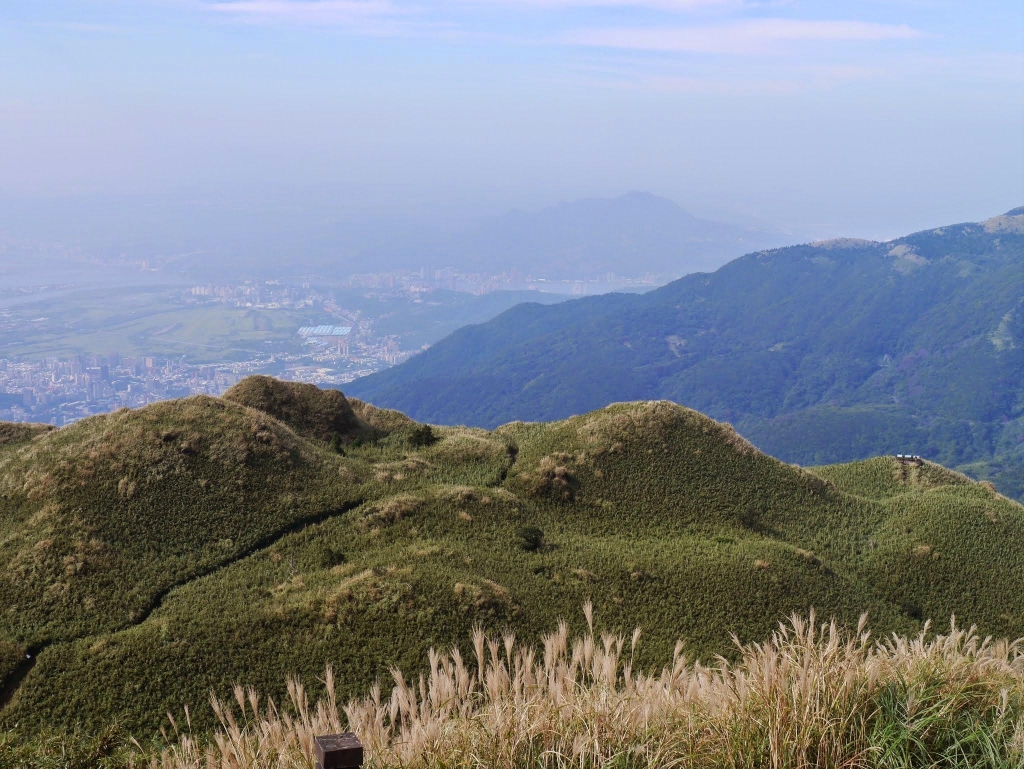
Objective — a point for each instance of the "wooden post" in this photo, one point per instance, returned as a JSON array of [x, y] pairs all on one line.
[[338, 751]]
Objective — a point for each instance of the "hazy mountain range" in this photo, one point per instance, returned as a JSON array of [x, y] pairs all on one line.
[[824, 352], [629, 235]]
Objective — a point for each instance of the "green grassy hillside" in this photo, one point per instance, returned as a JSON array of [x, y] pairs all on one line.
[[150, 556], [101, 518], [322, 414], [820, 353], [12, 433]]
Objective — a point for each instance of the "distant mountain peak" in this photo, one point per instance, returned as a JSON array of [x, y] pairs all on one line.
[[633, 201], [649, 198], [633, 234]]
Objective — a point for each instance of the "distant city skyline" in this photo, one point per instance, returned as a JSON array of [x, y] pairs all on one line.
[[863, 118]]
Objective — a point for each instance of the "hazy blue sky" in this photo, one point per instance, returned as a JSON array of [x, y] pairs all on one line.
[[869, 117]]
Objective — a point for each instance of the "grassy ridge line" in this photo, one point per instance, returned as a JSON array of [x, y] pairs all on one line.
[[324, 415], [18, 657], [100, 517], [884, 478], [937, 523], [664, 517]]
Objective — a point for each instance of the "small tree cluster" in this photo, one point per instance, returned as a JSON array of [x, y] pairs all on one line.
[[423, 436], [530, 538]]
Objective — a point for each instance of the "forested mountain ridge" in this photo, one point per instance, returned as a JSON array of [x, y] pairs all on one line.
[[823, 352], [149, 556]]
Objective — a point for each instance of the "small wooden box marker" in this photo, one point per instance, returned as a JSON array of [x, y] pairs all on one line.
[[338, 751]]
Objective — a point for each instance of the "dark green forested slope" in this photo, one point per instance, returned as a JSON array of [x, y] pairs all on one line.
[[818, 353], [149, 556]]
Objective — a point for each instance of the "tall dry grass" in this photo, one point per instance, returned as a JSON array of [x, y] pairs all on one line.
[[811, 696]]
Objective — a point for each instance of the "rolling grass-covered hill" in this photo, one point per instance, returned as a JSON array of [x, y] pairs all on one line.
[[819, 353], [147, 557]]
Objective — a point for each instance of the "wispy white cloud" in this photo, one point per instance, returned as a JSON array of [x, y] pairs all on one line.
[[305, 11], [737, 36], [740, 37], [342, 11], [664, 5]]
